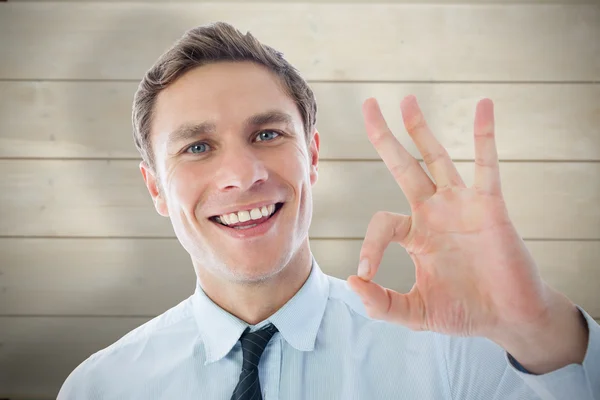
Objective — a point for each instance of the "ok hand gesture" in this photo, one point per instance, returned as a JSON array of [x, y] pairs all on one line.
[[474, 275]]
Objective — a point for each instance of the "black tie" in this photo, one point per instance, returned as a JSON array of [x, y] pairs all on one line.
[[253, 345]]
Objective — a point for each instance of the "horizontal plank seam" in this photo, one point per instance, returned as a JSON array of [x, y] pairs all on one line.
[[383, 2], [362, 81], [375, 159], [60, 237], [75, 316], [401, 3], [144, 316]]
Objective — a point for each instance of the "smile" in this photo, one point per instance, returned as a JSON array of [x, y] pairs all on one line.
[[246, 225]]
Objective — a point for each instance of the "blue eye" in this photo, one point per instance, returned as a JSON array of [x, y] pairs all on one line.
[[197, 148], [203, 147], [262, 137]]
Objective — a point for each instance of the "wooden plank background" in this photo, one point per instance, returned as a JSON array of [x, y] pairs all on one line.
[[43, 119], [100, 198], [382, 42], [84, 258]]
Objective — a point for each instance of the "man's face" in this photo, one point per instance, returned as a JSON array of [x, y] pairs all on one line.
[[226, 138]]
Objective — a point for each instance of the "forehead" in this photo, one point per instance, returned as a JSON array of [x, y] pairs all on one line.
[[225, 93]]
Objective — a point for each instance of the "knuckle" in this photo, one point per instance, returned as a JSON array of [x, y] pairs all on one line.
[[380, 218], [483, 162], [380, 135], [400, 169], [431, 157], [416, 123]]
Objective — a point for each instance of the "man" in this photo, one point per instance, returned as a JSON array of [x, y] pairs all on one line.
[[226, 130]]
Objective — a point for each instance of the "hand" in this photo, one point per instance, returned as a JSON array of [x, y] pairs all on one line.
[[474, 275]]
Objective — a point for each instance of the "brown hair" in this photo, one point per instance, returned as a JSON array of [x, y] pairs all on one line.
[[206, 44]]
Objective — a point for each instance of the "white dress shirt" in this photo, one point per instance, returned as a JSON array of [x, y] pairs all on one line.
[[326, 348]]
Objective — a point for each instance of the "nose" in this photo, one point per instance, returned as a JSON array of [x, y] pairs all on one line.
[[240, 169]]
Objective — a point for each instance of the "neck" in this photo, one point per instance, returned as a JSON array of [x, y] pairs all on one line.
[[253, 302]]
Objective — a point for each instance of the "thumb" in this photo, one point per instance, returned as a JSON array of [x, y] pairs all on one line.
[[389, 305]]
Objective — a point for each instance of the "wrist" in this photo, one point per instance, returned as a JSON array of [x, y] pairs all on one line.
[[554, 342]]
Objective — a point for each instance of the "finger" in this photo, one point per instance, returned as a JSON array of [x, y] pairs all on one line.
[[384, 228], [389, 305], [435, 156], [487, 167], [405, 169]]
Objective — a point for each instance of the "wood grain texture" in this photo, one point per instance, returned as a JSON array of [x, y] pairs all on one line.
[[550, 42], [343, 2], [533, 121], [108, 198], [67, 77], [145, 277]]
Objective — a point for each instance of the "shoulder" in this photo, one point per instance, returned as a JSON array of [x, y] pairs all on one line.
[[138, 347]]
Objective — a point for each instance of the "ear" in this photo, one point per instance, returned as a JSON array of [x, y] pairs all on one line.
[[153, 185], [313, 150]]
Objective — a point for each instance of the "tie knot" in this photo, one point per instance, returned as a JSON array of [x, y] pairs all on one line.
[[254, 344]]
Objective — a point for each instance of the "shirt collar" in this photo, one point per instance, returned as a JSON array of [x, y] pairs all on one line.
[[297, 321]]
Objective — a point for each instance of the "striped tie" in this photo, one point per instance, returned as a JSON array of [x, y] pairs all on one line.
[[253, 345]]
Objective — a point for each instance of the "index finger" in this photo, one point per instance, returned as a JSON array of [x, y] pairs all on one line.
[[405, 169]]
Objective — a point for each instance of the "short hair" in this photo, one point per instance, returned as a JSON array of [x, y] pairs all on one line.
[[206, 44]]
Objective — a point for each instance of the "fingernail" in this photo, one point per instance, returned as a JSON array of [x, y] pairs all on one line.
[[363, 268]]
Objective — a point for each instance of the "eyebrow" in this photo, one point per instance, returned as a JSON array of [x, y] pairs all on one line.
[[188, 131]]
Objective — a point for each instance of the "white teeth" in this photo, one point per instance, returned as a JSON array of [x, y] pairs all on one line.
[[243, 216], [233, 218], [255, 213]]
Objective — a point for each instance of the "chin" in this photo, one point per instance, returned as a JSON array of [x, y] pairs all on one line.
[[251, 275], [254, 268]]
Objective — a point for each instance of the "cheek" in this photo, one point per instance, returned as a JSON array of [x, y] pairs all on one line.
[[184, 185], [298, 163], [296, 168]]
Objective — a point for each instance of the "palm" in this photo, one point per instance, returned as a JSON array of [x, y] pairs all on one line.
[[473, 271], [462, 275]]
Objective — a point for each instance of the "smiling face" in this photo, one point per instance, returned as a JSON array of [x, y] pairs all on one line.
[[227, 138]]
